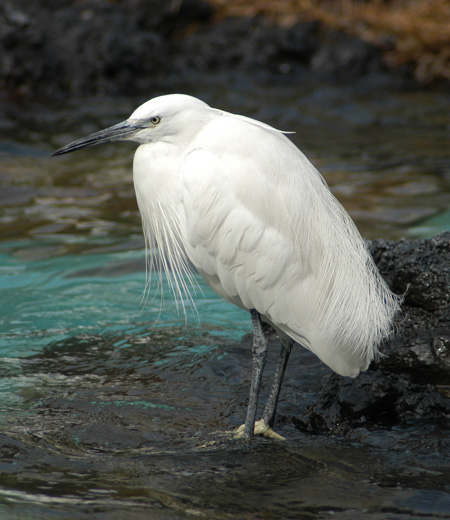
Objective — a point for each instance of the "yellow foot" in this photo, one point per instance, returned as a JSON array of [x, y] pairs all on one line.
[[261, 428]]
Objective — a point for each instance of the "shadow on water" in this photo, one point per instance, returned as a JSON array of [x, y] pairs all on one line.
[[104, 416]]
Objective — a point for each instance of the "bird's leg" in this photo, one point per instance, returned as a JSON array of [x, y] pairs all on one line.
[[268, 417], [259, 352], [264, 425]]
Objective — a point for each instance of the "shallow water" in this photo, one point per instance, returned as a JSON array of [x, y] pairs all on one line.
[[111, 406]]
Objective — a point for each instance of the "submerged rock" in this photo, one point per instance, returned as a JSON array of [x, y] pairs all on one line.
[[409, 384]]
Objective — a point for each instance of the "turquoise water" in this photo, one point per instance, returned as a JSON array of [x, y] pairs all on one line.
[[114, 403], [52, 299]]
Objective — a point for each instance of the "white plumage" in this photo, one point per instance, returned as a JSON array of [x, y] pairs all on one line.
[[238, 200]]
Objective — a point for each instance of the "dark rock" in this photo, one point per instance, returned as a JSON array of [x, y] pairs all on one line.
[[301, 41], [419, 269], [93, 46], [252, 44], [346, 57], [407, 384], [374, 400], [60, 48], [235, 42]]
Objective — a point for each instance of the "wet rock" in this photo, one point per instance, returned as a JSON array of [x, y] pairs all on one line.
[[374, 400], [419, 269], [407, 385]]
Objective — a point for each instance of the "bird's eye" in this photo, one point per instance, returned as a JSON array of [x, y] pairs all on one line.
[[155, 120]]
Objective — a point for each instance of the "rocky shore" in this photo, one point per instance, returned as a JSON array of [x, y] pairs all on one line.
[[61, 48], [410, 383]]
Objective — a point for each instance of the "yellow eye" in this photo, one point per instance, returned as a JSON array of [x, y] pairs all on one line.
[[155, 120]]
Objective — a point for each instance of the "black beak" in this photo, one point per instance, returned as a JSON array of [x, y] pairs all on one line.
[[120, 132]]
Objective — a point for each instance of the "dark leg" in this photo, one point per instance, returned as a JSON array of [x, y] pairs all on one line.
[[268, 417], [259, 351]]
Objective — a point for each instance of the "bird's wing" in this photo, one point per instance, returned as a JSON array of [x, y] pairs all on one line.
[[234, 234], [266, 233]]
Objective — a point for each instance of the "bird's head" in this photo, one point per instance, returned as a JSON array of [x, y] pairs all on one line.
[[161, 118]]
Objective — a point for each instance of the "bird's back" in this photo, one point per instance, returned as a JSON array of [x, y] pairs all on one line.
[[264, 230]]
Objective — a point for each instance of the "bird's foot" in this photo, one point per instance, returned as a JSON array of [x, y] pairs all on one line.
[[261, 428]]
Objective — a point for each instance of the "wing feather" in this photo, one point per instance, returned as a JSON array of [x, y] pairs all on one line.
[[266, 233]]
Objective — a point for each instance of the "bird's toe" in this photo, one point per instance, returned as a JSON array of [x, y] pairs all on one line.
[[261, 428]]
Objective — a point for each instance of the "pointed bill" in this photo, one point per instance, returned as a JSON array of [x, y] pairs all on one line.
[[120, 132]]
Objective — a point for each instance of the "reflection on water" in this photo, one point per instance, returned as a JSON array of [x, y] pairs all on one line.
[[111, 406]]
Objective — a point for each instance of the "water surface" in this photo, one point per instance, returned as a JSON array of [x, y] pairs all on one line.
[[114, 403]]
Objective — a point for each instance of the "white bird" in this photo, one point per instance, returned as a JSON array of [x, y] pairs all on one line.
[[240, 202]]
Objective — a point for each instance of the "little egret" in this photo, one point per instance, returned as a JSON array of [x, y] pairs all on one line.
[[240, 202]]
